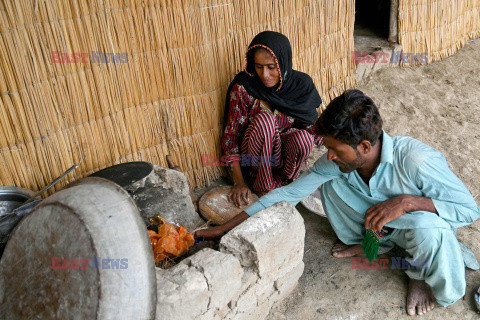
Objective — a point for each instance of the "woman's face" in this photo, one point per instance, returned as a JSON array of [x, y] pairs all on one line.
[[266, 68]]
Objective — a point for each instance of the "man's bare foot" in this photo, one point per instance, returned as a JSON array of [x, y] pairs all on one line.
[[420, 297], [342, 250]]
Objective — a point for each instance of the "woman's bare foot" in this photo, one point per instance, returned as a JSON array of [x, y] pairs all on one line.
[[420, 297], [342, 250]]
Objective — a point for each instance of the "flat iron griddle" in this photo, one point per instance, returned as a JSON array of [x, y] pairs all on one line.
[[124, 174]]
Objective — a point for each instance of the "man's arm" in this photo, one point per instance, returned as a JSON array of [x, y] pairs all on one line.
[[219, 231], [322, 171], [391, 209], [443, 193], [451, 198]]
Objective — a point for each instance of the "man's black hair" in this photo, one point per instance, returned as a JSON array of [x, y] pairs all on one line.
[[350, 118]]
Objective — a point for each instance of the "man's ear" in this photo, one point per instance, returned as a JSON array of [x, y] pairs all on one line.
[[364, 147]]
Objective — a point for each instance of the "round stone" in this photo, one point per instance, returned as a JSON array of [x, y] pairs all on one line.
[[214, 205]]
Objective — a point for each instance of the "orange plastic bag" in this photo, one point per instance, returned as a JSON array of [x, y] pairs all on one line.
[[166, 229], [153, 237], [170, 241]]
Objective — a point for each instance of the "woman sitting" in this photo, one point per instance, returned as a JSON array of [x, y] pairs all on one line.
[[268, 114]]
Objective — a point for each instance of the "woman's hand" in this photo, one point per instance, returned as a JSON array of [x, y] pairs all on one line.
[[239, 193], [211, 233]]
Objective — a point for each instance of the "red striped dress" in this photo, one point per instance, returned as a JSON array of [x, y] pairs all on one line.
[[268, 149]]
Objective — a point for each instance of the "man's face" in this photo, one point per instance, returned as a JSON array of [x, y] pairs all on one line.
[[343, 155]]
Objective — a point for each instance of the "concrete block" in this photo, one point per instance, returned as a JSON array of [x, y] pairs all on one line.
[[222, 272], [254, 302], [249, 277], [247, 301], [237, 316], [264, 289], [286, 269], [285, 285], [378, 60], [278, 296], [260, 312], [259, 259], [268, 239], [223, 312], [290, 279], [182, 293], [395, 55], [209, 315], [363, 70], [382, 58], [172, 187]]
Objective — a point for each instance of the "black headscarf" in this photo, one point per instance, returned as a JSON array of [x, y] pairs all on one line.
[[294, 95]]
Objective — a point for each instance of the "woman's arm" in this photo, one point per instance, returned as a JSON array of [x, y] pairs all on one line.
[[236, 122], [240, 193]]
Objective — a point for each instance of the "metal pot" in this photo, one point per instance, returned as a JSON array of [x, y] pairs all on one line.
[[12, 197]]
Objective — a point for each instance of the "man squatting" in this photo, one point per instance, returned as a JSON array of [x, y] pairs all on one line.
[[370, 179]]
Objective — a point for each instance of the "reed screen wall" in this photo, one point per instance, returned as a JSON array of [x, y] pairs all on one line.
[[63, 103], [437, 27]]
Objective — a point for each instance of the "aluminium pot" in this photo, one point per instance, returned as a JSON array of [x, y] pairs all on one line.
[[12, 197]]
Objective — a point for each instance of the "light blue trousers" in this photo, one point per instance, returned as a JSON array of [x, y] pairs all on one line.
[[438, 248]]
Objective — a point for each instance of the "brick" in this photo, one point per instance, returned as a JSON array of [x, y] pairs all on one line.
[[222, 272], [268, 239], [182, 293]]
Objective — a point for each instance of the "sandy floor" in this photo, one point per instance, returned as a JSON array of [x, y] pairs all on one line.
[[438, 104]]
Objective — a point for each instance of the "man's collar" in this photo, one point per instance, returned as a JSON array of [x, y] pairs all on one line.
[[387, 148]]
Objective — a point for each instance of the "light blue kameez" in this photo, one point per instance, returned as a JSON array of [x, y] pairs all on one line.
[[407, 166]]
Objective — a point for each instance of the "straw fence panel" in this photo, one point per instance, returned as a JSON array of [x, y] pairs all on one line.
[[438, 28], [59, 105]]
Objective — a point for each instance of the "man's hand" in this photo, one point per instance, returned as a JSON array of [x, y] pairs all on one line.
[[219, 231], [239, 195], [211, 233], [391, 209], [384, 212]]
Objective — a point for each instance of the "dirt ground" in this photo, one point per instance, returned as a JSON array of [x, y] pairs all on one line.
[[438, 104]]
